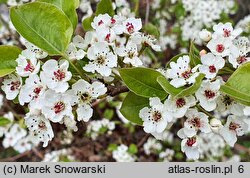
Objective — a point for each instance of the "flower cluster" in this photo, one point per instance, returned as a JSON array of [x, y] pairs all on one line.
[[121, 154], [96, 128], [226, 47]]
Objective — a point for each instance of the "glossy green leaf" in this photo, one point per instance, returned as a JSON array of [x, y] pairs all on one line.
[[68, 7], [8, 56], [238, 86], [193, 88], [194, 55], [86, 23], [170, 89], [105, 6], [152, 30], [143, 82], [131, 107], [44, 25], [4, 121]]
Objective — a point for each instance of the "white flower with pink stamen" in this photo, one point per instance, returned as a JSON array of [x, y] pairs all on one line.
[[220, 46], [211, 64], [11, 86], [56, 75], [225, 30], [235, 126], [195, 121], [32, 90], [156, 117], [102, 20], [208, 94], [179, 106], [56, 106], [132, 25], [181, 73], [27, 64], [190, 146]]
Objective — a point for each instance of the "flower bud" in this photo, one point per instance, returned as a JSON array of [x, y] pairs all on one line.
[[215, 124], [205, 35], [203, 52]]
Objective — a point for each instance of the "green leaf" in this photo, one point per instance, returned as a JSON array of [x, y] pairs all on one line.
[[44, 25], [152, 30], [174, 59], [194, 55], [108, 113], [86, 23], [132, 149], [8, 55], [193, 88], [4, 121], [170, 89], [112, 147], [68, 7], [237, 85], [131, 107], [180, 92], [143, 82], [105, 6]]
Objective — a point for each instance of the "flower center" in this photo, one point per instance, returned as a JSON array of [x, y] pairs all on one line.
[[212, 69], [227, 32], [186, 74], [85, 97], [220, 48], [59, 107], [180, 102], [37, 91], [29, 67], [100, 23], [113, 20], [196, 122], [59, 75], [101, 60], [233, 126], [191, 141], [107, 38], [227, 100], [241, 59], [15, 85], [130, 27], [42, 125], [209, 94], [157, 116]]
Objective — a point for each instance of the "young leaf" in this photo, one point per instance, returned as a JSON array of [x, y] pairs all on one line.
[[4, 121], [105, 6], [132, 149], [86, 23], [44, 25], [131, 107], [152, 30], [194, 55], [237, 86], [193, 88], [170, 89], [8, 55], [143, 82], [68, 7]]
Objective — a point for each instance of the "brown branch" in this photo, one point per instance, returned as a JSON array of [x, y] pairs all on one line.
[[143, 140], [113, 91]]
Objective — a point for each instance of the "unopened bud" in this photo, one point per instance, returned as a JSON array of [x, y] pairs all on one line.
[[205, 35]]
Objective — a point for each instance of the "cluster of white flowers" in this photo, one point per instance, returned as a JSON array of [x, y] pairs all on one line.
[[121, 154], [226, 46], [15, 136], [167, 155], [63, 155], [202, 14], [96, 128], [152, 146], [244, 24]]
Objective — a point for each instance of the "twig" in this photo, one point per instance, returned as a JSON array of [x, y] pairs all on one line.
[[113, 91], [142, 141], [37, 153], [14, 158]]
